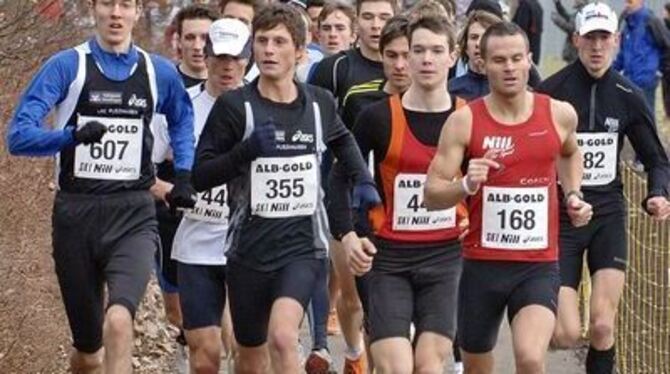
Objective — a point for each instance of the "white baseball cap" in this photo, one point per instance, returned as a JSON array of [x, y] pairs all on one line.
[[229, 36], [596, 16]]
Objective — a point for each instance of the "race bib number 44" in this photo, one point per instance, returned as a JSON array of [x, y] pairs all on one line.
[[599, 151], [211, 206], [117, 157], [284, 186], [515, 218], [409, 211]]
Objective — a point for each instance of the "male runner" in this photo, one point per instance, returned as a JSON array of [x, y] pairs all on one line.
[[609, 107], [513, 142], [335, 25], [198, 242], [417, 264], [105, 92], [191, 24], [394, 48], [339, 72], [265, 140]]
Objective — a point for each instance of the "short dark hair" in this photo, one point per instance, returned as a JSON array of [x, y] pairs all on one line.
[[311, 3], [394, 4], [256, 4], [193, 12], [277, 14], [396, 27], [437, 24], [500, 29], [484, 18], [332, 7]]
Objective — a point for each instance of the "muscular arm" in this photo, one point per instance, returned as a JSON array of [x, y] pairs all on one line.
[[441, 190], [569, 167]]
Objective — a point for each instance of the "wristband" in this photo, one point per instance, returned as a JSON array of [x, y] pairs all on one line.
[[466, 188], [577, 193]]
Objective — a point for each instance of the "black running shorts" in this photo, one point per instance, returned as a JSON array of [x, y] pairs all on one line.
[[603, 239], [202, 294], [102, 240], [252, 294], [488, 287]]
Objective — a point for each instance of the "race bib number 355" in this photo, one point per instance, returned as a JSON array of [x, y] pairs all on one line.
[[409, 211], [515, 218], [599, 152], [284, 186], [117, 157]]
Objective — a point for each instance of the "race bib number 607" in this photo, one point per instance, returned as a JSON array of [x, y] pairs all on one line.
[[515, 218], [119, 154], [284, 186]]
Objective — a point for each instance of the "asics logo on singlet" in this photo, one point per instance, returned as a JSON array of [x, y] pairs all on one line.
[[137, 102], [301, 137], [612, 124], [503, 145]]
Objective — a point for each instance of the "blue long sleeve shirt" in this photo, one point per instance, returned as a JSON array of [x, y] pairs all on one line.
[[30, 135]]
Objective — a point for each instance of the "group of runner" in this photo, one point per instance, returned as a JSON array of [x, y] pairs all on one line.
[[473, 185]]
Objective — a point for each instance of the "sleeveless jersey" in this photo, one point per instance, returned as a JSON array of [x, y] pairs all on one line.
[[122, 160], [404, 217], [514, 215]]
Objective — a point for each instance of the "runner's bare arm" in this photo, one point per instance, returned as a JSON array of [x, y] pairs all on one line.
[[441, 190], [570, 167]]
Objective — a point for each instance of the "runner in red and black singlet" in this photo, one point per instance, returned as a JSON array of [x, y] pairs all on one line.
[[513, 142], [414, 270]]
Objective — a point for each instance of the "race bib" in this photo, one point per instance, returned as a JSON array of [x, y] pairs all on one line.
[[599, 151], [515, 218], [211, 206], [409, 211], [117, 157], [284, 186]]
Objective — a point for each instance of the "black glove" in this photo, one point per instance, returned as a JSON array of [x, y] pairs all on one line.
[[263, 140], [90, 133], [365, 196], [183, 194]]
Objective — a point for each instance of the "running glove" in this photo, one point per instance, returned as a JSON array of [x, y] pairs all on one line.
[[183, 194], [365, 196], [90, 133], [263, 140]]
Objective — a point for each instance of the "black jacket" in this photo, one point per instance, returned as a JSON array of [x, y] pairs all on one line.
[[610, 104]]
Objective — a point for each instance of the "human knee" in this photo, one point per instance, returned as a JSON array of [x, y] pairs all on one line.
[[283, 340], [432, 366], [392, 365], [601, 328], [349, 303], [205, 363], [566, 337], [118, 321], [529, 364]]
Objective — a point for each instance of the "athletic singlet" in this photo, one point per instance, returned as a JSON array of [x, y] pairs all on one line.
[[122, 160], [514, 215], [403, 217]]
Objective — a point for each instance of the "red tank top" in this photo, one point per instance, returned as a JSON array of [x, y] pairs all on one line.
[[403, 217], [514, 215]]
